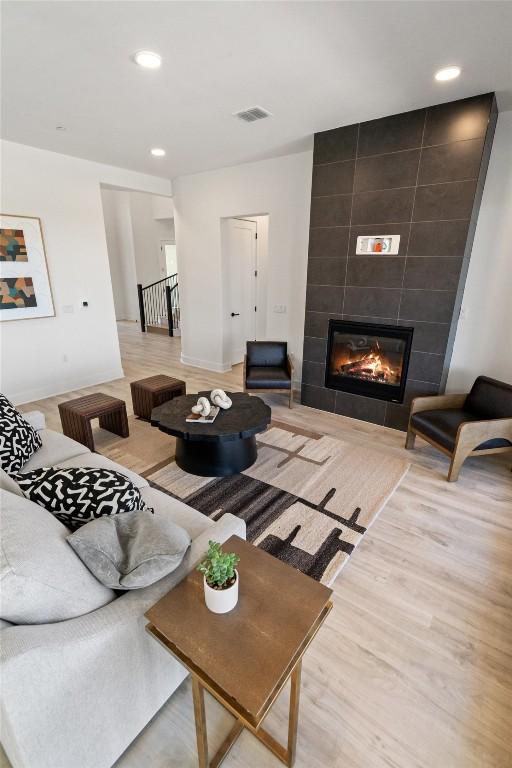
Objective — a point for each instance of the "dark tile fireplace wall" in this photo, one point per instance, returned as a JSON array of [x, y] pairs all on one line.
[[419, 175]]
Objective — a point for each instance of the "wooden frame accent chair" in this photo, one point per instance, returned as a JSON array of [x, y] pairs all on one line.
[[268, 368], [472, 424]]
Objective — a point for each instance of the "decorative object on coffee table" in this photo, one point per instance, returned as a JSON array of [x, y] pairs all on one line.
[[153, 391], [226, 446], [219, 398], [198, 416], [220, 578], [202, 407], [76, 415], [278, 615]]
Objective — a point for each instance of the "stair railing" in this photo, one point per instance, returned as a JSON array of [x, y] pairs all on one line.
[[160, 300]]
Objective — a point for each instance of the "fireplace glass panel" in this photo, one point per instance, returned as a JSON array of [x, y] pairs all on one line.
[[368, 359]]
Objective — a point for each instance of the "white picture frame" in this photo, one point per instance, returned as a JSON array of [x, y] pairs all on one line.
[[25, 290]]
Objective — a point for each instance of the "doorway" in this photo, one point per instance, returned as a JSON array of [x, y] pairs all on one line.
[[140, 239], [169, 263], [241, 270]]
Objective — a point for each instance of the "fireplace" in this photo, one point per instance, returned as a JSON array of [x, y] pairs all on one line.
[[368, 359]]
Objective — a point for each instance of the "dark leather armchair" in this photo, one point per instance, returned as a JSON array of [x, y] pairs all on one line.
[[268, 368], [465, 425]]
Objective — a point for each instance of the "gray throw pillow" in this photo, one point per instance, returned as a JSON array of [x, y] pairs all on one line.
[[131, 550], [41, 579]]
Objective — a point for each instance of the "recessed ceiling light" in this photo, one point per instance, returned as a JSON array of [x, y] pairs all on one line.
[[157, 152], [147, 59], [447, 73]]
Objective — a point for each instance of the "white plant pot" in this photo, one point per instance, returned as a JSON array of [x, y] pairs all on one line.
[[221, 600]]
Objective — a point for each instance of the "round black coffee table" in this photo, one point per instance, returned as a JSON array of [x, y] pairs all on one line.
[[227, 446]]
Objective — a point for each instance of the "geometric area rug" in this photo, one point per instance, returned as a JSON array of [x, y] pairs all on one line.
[[308, 499]]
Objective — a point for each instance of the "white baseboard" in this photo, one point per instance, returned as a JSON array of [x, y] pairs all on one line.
[[208, 365], [66, 385]]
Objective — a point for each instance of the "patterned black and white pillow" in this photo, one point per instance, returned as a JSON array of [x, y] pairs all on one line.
[[77, 495], [18, 439]]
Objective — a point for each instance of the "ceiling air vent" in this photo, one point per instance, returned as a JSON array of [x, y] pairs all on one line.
[[252, 114]]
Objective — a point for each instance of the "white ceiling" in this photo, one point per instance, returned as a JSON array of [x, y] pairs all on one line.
[[314, 65]]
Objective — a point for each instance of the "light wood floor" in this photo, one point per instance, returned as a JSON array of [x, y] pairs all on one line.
[[413, 668]]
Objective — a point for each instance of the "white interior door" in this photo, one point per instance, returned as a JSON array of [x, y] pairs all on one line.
[[168, 260], [241, 262]]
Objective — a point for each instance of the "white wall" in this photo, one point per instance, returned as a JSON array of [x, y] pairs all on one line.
[[110, 217], [42, 357], [147, 261], [280, 187], [121, 254], [163, 207], [147, 233], [483, 343], [164, 229]]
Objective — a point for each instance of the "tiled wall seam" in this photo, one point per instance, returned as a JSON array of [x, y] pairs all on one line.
[[412, 215], [350, 224]]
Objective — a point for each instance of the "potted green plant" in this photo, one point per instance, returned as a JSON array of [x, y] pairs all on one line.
[[220, 578]]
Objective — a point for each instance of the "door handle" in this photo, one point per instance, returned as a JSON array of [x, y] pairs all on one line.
[[235, 314]]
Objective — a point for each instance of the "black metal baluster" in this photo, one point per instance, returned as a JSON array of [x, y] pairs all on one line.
[[169, 310], [140, 294]]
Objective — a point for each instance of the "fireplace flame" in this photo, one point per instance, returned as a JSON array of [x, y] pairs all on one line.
[[371, 366]]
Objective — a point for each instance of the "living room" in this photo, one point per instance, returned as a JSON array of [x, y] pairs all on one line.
[[316, 376]]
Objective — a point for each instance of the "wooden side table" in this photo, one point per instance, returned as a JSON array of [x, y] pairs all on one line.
[[153, 391], [244, 658], [76, 415]]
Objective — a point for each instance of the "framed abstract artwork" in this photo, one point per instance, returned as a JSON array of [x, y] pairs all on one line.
[[24, 282]]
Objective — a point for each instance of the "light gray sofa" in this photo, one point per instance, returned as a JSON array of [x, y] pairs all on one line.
[[76, 693]]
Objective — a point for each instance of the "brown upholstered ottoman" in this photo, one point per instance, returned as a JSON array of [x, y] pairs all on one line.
[[153, 391]]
